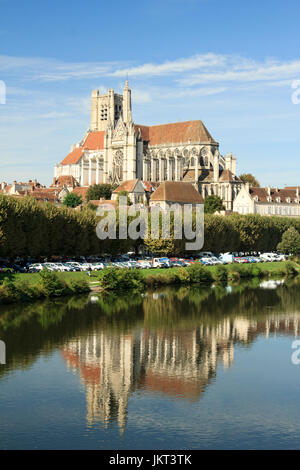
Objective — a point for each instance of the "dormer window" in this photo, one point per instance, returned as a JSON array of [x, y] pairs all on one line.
[[288, 200], [278, 199], [269, 199], [296, 201], [256, 198]]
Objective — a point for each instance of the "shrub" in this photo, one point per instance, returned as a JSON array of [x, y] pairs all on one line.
[[51, 285], [290, 269], [79, 286], [183, 276], [220, 273], [255, 271], [8, 292], [199, 273], [120, 279]]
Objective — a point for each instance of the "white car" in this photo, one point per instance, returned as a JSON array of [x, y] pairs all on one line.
[[50, 267], [35, 268], [145, 264], [62, 267], [85, 266], [97, 266], [269, 257]]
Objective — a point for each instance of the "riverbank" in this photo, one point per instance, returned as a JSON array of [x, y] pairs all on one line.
[[123, 280], [33, 286]]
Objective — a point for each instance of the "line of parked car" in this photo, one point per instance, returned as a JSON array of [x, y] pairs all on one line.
[[138, 262]]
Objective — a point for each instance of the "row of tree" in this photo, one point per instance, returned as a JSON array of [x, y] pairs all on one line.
[[30, 228]]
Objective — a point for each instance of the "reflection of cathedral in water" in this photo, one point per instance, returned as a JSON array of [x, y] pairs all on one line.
[[174, 362]]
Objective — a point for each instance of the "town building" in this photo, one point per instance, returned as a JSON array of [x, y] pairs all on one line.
[[268, 201], [170, 193], [115, 149], [54, 194], [138, 191]]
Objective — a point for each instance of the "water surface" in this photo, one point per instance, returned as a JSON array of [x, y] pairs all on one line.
[[192, 368]]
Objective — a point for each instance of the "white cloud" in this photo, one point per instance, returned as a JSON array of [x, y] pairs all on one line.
[[268, 71], [171, 67]]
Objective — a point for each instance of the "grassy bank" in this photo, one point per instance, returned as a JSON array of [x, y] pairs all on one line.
[[20, 288], [118, 280], [26, 287]]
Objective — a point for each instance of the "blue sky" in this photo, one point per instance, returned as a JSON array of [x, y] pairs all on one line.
[[229, 63]]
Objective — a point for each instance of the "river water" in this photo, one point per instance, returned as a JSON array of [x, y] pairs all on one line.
[[186, 368]]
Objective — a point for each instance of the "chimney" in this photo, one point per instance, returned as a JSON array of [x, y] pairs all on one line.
[[269, 190]]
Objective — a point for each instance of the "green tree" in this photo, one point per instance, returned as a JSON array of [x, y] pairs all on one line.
[[97, 191], [72, 200], [290, 242], [212, 204], [249, 178]]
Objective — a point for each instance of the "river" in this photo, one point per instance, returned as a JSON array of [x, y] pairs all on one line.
[[186, 368]]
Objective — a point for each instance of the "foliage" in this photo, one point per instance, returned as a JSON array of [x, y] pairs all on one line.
[[97, 191], [249, 178], [51, 285], [212, 204], [182, 276], [30, 228], [220, 273], [72, 200], [290, 242], [290, 269], [199, 273], [121, 279]]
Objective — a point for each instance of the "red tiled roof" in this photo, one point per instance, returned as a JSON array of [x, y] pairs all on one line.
[[67, 180], [94, 141], [128, 186], [263, 194], [73, 157], [81, 191], [177, 191], [150, 187], [227, 175], [177, 132]]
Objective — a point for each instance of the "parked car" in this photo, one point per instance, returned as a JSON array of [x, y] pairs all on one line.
[[18, 269], [35, 268]]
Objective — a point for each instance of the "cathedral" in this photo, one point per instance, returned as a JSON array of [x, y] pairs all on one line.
[[115, 149]]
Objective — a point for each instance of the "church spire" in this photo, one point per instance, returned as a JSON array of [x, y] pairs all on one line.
[[127, 116]]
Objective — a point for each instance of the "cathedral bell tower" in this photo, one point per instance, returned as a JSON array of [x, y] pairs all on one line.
[[127, 116]]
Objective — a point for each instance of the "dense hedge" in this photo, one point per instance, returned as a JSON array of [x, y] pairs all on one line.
[[29, 228]]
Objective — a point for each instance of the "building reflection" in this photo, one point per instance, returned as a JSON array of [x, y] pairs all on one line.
[[176, 362]]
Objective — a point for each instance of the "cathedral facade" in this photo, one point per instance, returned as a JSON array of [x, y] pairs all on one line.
[[115, 149]]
